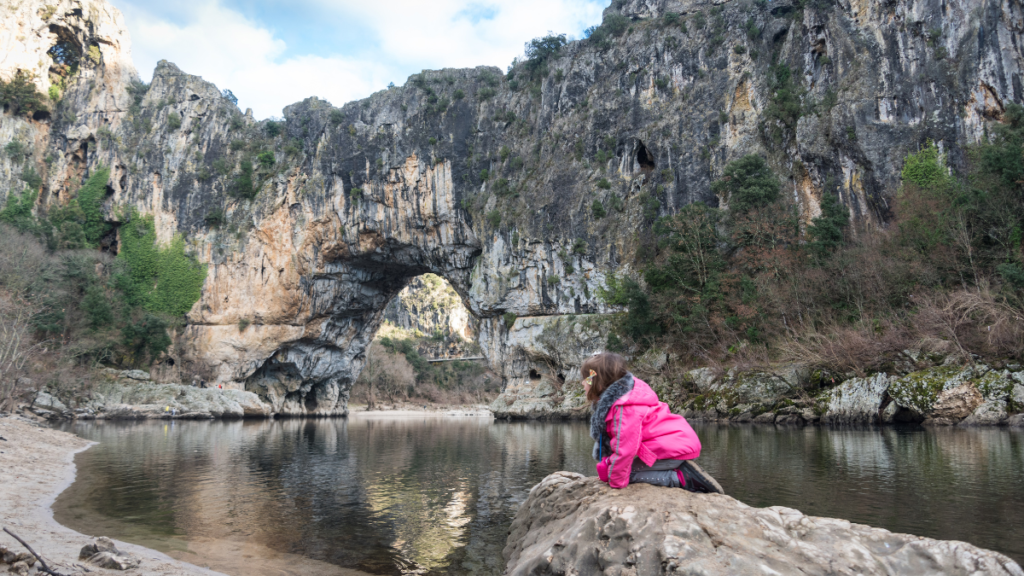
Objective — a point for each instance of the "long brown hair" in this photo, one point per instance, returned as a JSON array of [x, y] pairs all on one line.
[[608, 367]]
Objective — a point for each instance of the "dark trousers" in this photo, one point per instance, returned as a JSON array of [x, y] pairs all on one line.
[[661, 473]]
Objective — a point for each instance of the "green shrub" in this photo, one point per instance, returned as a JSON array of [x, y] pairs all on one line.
[[509, 318], [784, 105], [553, 279], [18, 210], [925, 169], [32, 178], [336, 117], [90, 199], [504, 153], [579, 246], [242, 185], [494, 218], [145, 339], [651, 206], [484, 175], [739, 49], [20, 97], [173, 121], [162, 280], [237, 145], [615, 203], [243, 323], [604, 184], [16, 150], [748, 183], [486, 93], [273, 129], [265, 159], [459, 94], [501, 187], [98, 312], [598, 209], [432, 141], [826, 231], [216, 218]]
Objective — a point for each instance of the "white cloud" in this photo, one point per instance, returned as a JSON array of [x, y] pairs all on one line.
[[237, 53]]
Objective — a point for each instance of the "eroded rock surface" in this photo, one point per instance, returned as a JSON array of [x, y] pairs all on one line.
[[570, 524], [484, 180]]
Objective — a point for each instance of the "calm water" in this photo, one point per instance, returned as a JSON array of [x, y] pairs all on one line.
[[427, 495]]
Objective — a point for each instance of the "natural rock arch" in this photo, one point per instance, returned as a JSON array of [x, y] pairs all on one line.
[[322, 282]]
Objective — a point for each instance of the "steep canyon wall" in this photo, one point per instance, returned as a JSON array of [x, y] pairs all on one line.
[[488, 181]]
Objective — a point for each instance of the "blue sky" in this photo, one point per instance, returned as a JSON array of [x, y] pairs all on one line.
[[272, 53]]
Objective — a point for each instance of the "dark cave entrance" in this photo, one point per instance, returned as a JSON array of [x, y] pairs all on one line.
[[644, 158]]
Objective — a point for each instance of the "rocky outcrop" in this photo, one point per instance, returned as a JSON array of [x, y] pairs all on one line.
[[941, 395], [489, 181], [542, 356], [857, 401], [570, 524], [131, 395], [103, 552]]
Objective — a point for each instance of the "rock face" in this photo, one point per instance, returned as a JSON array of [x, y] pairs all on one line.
[[857, 401], [123, 397], [570, 524], [486, 180]]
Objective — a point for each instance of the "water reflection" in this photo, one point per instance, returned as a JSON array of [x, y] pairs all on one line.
[[429, 495], [384, 496], [944, 483]]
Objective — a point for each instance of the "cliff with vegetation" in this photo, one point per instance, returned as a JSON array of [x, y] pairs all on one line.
[[671, 182]]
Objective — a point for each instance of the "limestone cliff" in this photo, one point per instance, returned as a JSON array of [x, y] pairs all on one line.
[[310, 227]]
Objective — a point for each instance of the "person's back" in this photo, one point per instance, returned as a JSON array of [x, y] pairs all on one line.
[[637, 437]]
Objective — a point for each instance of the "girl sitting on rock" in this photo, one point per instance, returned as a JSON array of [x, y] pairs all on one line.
[[637, 438]]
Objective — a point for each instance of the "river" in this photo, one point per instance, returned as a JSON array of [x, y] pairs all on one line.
[[379, 494]]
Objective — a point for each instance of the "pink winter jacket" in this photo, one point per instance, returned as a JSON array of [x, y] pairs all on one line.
[[638, 425]]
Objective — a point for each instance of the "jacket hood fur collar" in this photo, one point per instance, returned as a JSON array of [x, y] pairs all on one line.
[[611, 395]]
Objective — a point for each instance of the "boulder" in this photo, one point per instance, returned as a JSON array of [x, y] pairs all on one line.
[[139, 375], [1015, 421], [766, 418], [940, 392], [103, 553], [856, 401], [956, 403], [19, 568], [988, 413], [571, 524], [46, 400]]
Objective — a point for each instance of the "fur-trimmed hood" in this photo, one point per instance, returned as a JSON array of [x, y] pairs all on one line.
[[612, 394]]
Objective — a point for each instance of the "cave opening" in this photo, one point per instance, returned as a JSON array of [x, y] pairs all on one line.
[[534, 375], [644, 158]]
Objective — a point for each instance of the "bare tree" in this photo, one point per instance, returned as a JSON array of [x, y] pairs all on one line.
[[17, 346], [387, 372]]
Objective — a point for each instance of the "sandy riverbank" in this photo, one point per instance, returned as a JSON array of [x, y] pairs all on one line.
[[37, 464]]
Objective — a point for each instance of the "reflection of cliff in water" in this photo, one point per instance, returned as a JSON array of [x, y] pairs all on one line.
[[379, 495], [389, 495]]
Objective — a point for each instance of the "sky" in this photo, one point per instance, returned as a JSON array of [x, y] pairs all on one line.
[[272, 53]]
